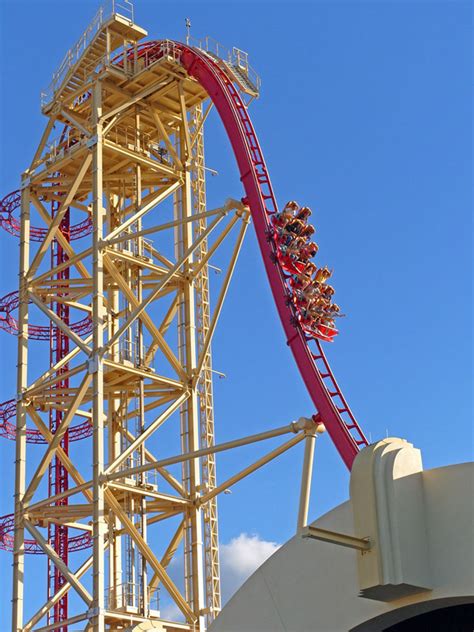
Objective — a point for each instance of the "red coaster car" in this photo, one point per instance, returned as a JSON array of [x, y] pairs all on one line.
[[288, 264], [323, 332], [327, 333]]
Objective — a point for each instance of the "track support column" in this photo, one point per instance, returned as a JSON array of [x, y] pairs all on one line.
[[21, 415], [305, 493], [96, 368], [190, 413]]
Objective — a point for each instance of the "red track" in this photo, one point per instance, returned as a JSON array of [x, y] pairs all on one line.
[[12, 202], [322, 387], [10, 303]]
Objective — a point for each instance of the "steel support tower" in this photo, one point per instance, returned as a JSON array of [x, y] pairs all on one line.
[[131, 159], [125, 300]]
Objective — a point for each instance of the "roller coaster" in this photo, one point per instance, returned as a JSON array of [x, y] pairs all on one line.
[[132, 136]]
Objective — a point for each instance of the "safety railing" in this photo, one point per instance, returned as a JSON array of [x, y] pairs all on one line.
[[57, 147], [123, 8], [130, 595], [131, 351], [130, 138], [210, 45], [240, 59], [236, 58], [149, 478]]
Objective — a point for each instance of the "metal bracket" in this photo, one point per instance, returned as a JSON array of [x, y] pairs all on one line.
[[91, 142], [25, 183], [93, 364], [325, 535]]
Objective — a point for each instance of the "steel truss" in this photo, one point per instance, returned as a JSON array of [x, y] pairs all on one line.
[[131, 161]]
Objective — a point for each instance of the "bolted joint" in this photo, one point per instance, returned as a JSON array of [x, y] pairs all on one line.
[[94, 364], [318, 425], [95, 612], [25, 183], [303, 423], [92, 141], [21, 397]]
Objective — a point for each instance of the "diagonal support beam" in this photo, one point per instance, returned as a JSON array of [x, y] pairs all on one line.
[[42, 142], [39, 614], [58, 562], [295, 427], [57, 438], [61, 239], [196, 268], [161, 128], [59, 323], [166, 226], [144, 317], [149, 556], [157, 199], [166, 279], [62, 266], [165, 323], [141, 159], [55, 223], [184, 118], [82, 485], [158, 88], [167, 556], [75, 121], [252, 468], [147, 433], [175, 484], [201, 123], [220, 300]]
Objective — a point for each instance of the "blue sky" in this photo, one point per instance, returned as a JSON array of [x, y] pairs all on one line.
[[364, 115]]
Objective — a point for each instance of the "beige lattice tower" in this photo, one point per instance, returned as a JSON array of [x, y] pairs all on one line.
[[133, 141], [130, 158]]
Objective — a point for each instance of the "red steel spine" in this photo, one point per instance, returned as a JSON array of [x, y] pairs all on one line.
[[346, 435], [58, 475]]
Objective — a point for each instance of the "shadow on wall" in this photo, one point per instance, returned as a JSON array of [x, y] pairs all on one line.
[[440, 615]]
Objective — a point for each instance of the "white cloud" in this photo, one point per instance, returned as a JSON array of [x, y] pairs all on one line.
[[240, 558]]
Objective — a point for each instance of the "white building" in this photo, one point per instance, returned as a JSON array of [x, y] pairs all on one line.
[[417, 575]]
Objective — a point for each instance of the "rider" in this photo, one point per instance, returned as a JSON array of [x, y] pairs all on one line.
[[308, 251], [308, 231], [280, 220], [323, 274], [303, 213], [305, 278], [327, 291]]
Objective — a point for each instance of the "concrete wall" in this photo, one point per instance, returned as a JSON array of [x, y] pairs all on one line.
[[313, 586]]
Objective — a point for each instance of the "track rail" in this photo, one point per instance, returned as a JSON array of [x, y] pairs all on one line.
[[314, 368], [7, 524], [8, 429], [12, 202], [10, 303]]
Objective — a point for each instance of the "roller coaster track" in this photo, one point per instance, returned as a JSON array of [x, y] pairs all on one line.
[[307, 351], [10, 302], [75, 543], [11, 203], [325, 393]]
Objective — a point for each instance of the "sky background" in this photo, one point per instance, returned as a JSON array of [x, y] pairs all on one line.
[[365, 116]]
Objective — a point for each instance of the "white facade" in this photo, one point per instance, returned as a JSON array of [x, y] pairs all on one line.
[[313, 586]]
